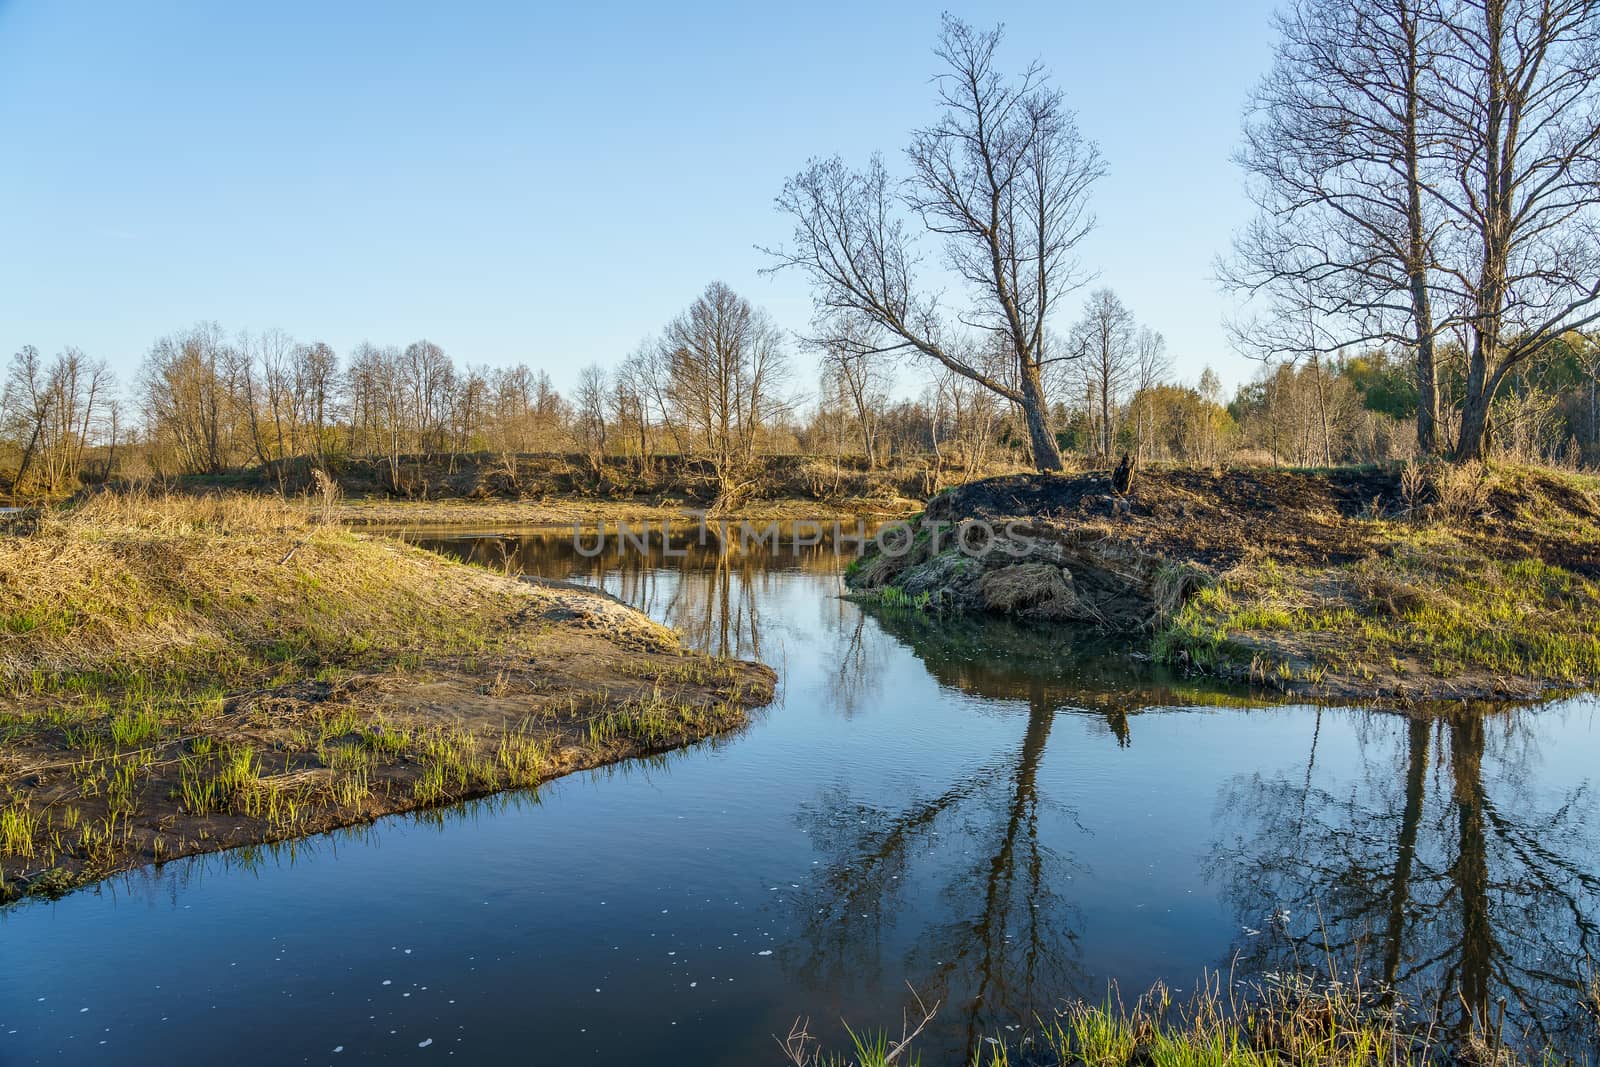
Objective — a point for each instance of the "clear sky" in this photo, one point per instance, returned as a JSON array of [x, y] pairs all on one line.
[[545, 183]]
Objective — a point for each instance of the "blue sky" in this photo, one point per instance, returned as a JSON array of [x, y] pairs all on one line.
[[543, 183]]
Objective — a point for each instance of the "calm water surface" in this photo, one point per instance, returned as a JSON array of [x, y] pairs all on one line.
[[998, 817]]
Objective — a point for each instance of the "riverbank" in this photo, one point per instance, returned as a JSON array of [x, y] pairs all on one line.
[[1399, 585], [547, 488], [1284, 1020], [586, 512], [185, 675]]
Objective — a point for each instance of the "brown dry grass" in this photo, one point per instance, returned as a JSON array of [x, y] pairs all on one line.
[[1486, 583], [222, 585], [185, 674]]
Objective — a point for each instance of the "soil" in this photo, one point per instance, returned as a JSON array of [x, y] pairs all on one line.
[[564, 511], [566, 480], [1220, 518], [594, 660], [1068, 550]]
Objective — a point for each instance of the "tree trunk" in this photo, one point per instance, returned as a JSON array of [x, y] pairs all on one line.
[[1472, 442], [1471, 870], [1405, 853], [1417, 261], [1046, 456]]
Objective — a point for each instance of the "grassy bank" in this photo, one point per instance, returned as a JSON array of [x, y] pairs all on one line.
[[1485, 584], [1415, 583], [187, 674], [1284, 1021]]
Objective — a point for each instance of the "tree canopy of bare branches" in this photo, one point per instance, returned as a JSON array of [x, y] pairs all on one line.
[[1001, 182], [1425, 169]]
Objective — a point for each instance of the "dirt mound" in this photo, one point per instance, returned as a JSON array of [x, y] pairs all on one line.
[[1209, 517], [1069, 548], [1426, 583]]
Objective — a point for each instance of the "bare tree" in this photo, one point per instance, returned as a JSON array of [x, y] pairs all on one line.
[[1210, 390], [53, 410], [1104, 340], [591, 413], [1520, 108], [316, 390], [376, 390], [1150, 366], [1002, 181], [428, 378], [526, 412], [631, 401], [1337, 143], [271, 410], [726, 369], [855, 367], [25, 406], [196, 399]]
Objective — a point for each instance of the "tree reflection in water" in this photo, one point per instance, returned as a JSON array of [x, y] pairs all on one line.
[[1008, 948], [1446, 872], [710, 594], [1444, 868]]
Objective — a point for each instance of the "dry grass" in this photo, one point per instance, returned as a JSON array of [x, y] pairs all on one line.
[[185, 674], [1290, 1020], [225, 586], [1442, 601]]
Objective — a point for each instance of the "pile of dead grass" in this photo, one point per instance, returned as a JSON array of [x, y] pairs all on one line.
[[119, 585], [1486, 584]]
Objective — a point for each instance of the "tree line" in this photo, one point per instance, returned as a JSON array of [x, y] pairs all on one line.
[[719, 385], [1424, 272]]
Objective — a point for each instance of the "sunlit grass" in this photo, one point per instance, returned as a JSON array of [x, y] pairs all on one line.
[[1285, 1021], [180, 659], [1441, 608]]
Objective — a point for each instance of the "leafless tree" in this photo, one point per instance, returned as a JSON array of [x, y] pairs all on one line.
[[196, 399], [428, 378], [526, 413], [53, 409], [591, 413], [856, 368], [1519, 103], [316, 390], [1002, 180], [271, 410], [1339, 139], [1429, 167], [1105, 342], [726, 367], [632, 401], [375, 384], [1150, 368]]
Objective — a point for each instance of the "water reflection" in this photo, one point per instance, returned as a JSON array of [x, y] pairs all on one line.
[[1059, 668], [712, 592], [1006, 943], [1429, 856], [1443, 869]]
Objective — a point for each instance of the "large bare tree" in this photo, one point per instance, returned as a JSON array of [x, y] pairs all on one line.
[[1520, 104], [1428, 168], [1002, 182], [1338, 140]]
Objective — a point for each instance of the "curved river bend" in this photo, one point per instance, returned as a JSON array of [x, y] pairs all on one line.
[[990, 814]]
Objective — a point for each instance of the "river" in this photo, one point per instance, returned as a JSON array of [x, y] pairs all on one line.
[[992, 816]]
